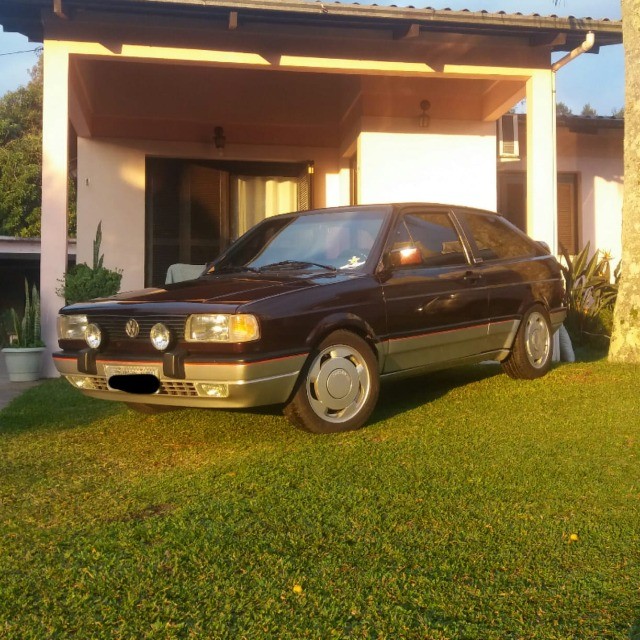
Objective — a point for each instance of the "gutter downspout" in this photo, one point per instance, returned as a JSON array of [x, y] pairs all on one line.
[[562, 351], [587, 45]]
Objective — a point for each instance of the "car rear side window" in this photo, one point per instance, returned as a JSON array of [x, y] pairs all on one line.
[[495, 239], [434, 235]]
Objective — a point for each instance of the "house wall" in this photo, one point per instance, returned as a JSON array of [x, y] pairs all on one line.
[[111, 189], [598, 160], [450, 162], [488, 76], [409, 165]]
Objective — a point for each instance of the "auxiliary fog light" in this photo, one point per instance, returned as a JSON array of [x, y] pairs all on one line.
[[212, 389], [160, 336], [81, 382], [93, 336]]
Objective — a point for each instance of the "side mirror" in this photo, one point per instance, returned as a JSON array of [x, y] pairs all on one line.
[[404, 257]]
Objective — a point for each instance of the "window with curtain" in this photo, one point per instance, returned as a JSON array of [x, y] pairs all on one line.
[[196, 208], [254, 198]]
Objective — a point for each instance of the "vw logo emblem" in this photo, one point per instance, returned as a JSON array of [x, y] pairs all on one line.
[[132, 328]]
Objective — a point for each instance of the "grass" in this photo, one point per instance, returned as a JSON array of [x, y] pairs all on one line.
[[450, 516]]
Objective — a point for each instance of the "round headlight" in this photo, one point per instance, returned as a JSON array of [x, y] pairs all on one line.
[[160, 336], [93, 336]]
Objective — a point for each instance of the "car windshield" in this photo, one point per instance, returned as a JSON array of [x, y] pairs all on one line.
[[331, 241]]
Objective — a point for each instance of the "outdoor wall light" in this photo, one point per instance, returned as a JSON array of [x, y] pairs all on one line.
[[425, 119]]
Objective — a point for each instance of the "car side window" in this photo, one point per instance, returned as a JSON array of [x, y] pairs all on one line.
[[495, 239], [434, 235]]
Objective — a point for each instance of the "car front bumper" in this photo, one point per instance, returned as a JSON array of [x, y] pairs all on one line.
[[216, 385]]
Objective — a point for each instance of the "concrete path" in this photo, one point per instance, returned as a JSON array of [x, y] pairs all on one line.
[[11, 390]]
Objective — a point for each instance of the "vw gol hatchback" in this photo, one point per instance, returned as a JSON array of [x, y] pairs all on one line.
[[312, 310]]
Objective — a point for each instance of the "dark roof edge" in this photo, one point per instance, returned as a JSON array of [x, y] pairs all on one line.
[[19, 12], [583, 122], [428, 14], [593, 122]]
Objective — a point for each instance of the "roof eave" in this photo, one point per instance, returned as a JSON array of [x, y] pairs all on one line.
[[24, 16]]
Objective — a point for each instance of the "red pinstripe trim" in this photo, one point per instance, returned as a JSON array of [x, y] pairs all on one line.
[[223, 364], [503, 321], [435, 333], [153, 363], [139, 363]]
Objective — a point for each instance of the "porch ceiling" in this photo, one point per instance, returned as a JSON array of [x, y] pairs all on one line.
[[164, 101]]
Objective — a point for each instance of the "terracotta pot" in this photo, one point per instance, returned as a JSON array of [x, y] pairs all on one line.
[[23, 365]]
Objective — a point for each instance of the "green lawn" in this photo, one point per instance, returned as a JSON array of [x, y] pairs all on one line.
[[450, 516]]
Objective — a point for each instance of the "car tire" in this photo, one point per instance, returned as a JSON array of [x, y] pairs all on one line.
[[149, 408], [338, 387], [532, 349]]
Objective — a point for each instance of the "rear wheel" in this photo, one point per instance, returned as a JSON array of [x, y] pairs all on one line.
[[532, 349], [338, 387]]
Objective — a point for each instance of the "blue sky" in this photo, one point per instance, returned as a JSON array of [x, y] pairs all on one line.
[[596, 79]]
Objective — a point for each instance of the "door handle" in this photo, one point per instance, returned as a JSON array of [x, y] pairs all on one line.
[[472, 277]]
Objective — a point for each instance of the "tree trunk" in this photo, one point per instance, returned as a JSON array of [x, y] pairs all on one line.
[[625, 341]]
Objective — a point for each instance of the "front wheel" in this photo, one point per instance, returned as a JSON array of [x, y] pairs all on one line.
[[338, 387], [532, 349]]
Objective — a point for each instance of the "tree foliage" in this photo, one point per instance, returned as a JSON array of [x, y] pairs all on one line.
[[21, 158], [563, 109], [588, 111]]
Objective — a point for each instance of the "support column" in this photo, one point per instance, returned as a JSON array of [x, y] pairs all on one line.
[[542, 219], [55, 164]]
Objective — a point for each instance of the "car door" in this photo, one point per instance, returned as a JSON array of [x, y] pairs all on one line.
[[508, 263], [437, 306]]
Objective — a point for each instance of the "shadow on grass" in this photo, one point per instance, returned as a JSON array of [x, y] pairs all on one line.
[[398, 396], [403, 395], [589, 354], [55, 405]]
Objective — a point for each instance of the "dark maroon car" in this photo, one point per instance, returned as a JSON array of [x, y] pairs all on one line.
[[313, 309]]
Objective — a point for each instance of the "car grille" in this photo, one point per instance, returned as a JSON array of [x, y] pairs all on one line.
[[167, 387], [184, 389], [114, 326]]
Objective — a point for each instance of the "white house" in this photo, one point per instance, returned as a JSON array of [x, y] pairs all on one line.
[[192, 118]]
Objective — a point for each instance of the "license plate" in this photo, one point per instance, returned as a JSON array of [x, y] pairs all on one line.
[[129, 369]]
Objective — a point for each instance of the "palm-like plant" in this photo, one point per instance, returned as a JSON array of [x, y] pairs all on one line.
[[591, 292], [27, 329]]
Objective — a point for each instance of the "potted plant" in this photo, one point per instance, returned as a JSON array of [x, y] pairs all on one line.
[[24, 354]]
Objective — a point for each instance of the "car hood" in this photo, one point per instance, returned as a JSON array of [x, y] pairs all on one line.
[[228, 289]]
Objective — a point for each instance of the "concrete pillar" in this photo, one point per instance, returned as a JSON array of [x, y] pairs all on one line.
[[55, 163], [542, 219]]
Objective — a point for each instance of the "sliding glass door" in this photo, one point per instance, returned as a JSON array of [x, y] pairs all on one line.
[[195, 209]]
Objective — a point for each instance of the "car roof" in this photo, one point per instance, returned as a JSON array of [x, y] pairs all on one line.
[[395, 206]]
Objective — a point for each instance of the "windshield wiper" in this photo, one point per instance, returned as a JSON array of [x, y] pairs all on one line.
[[296, 264], [232, 269]]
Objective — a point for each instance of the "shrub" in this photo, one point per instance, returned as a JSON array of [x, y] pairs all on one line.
[[82, 282]]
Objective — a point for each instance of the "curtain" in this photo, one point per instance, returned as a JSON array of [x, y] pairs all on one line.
[[257, 197]]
